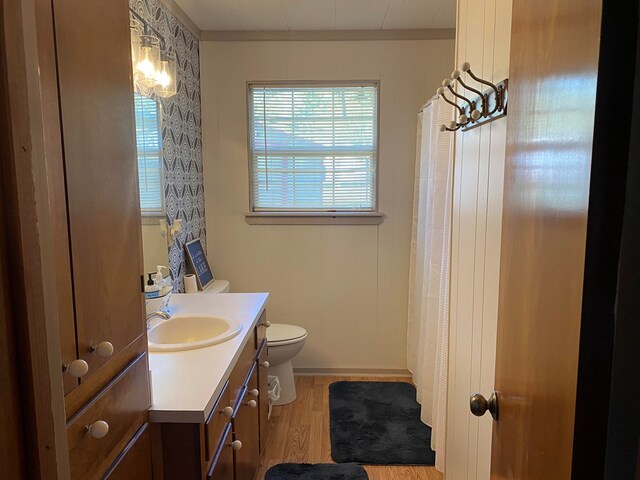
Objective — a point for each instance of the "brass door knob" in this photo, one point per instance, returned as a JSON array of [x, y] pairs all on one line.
[[479, 405]]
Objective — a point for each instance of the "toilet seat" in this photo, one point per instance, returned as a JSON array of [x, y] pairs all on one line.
[[283, 334]]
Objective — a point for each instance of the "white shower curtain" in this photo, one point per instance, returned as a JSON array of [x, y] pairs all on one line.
[[428, 323]]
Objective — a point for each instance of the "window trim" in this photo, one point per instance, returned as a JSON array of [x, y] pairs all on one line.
[[314, 218], [277, 217]]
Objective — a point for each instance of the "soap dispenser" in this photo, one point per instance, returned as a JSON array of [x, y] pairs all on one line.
[[151, 290], [162, 282]]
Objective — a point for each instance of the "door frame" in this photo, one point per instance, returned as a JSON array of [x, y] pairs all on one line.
[[38, 439], [603, 264]]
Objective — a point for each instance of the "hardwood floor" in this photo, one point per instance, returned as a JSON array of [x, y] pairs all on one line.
[[300, 432]]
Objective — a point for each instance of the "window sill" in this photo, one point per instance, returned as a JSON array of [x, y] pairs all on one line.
[[147, 219], [314, 218]]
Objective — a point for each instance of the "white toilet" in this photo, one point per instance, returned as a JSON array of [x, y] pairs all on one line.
[[284, 342], [218, 286]]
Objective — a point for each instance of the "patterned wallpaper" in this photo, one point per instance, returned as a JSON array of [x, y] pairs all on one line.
[[181, 135]]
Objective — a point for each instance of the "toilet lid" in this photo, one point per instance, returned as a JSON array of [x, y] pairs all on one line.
[[281, 332], [218, 286]]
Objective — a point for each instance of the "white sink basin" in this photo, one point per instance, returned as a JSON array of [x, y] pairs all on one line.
[[188, 332]]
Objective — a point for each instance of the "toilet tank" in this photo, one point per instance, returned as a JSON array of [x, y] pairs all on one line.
[[218, 286]]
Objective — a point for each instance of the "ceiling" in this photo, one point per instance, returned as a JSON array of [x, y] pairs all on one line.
[[294, 15]]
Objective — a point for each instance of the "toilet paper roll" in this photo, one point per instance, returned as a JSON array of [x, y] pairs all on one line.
[[190, 285]]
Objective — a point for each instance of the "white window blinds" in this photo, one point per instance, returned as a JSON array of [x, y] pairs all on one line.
[[149, 146], [313, 147]]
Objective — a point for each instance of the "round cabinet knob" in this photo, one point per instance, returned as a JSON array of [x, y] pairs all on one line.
[[255, 393], [78, 368], [267, 323], [103, 349], [265, 364], [98, 429], [252, 404], [227, 412], [236, 445]]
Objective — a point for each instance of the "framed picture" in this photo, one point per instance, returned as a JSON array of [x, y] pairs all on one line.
[[199, 263]]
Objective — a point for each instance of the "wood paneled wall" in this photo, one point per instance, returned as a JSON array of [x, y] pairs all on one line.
[[483, 39], [347, 285]]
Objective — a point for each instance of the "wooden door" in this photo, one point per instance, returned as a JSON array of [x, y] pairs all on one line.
[[246, 429], [553, 79], [96, 98]]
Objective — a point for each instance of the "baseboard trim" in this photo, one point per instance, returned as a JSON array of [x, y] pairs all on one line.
[[353, 372]]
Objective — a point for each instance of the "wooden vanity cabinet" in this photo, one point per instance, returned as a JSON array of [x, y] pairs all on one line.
[[222, 466], [246, 429], [261, 330], [263, 387], [217, 422], [135, 460], [97, 237], [192, 451]]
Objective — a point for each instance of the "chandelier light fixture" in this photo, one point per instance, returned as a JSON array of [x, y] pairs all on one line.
[[154, 64]]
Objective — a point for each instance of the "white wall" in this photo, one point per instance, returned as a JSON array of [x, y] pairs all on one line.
[[154, 248], [347, 285], [483, 39]]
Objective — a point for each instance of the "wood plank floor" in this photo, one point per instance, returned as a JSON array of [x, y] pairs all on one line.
[[300, 432]]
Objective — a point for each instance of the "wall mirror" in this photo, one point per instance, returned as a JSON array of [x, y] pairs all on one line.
[[148, 116]]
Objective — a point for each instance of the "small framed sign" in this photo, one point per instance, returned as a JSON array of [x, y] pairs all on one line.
[[199, 263]]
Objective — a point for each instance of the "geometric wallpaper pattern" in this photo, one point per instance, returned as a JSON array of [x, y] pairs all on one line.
[[181, 135]]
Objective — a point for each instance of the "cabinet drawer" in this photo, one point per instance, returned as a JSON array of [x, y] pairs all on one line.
[[261, 329], [123, 405], [222, 466], [135, 460], [245, 429], [218, 420], [263, 400], [242, 368]]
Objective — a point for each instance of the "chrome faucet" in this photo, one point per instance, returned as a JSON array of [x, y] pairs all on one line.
[[159, 313]]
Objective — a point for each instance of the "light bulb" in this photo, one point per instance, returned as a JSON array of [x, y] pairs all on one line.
[[145, 65], [147, 61], [162, 76], [166, 75]]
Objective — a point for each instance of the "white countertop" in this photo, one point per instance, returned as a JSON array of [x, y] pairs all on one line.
[[185, 385]]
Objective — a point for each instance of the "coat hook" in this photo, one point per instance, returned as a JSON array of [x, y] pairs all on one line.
[[440, 91], [455, 75], [452, 127], [466, 67], [463, 120], [447, 83]]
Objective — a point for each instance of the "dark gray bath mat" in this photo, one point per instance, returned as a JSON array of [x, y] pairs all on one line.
[[306, 471], [378, 423]]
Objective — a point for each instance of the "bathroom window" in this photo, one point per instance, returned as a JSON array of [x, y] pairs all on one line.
[[313, 147], [149, 147]]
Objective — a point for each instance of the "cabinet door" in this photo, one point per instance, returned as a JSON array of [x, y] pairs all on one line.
[[263, 399], [96, 101], [222, 467], [245, 429], [135, 461]]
